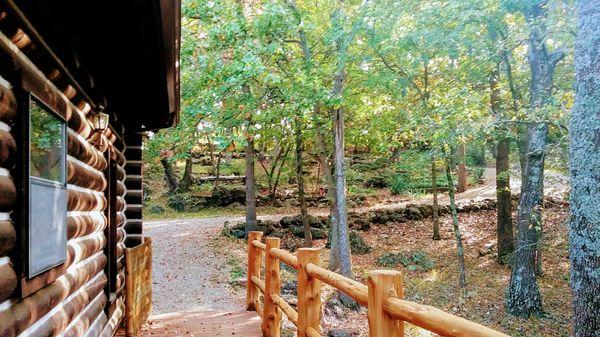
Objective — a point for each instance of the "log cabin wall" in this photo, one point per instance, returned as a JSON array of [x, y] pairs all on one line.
[[72, 299], [134, 184]]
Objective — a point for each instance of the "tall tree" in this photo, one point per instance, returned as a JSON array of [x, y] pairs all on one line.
[[460, 251], [523, 296], [504, 223], [584, 153], [300, 181]]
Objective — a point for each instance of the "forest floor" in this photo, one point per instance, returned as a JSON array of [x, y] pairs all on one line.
[[197, 269]]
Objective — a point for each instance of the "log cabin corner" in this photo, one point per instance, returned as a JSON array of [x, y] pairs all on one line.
[[80, 81]]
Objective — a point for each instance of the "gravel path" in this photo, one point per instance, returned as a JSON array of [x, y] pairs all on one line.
[[187, 274]]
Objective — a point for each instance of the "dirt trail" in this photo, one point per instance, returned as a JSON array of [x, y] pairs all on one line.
[[188, 275]]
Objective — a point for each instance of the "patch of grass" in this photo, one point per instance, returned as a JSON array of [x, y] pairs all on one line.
[[236, 271], [358, 190]]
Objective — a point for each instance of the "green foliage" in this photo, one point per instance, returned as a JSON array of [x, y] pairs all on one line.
[[413, 261], [177, 202], [358, 244], [414, 175]]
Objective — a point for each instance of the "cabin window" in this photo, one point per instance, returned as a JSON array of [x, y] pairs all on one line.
[[47, 234]]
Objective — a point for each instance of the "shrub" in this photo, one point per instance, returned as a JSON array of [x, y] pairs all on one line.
[[358, 245], [417, 260], [156, 209], [177, 202]]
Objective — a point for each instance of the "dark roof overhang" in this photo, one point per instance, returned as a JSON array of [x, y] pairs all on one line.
[[124, 54]]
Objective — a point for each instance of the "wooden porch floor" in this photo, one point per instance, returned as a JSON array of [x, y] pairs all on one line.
[[203, 324]]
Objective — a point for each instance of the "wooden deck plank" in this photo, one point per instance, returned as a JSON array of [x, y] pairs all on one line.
[[203, 324]]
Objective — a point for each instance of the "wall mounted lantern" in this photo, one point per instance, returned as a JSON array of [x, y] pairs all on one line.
[[100, 121]]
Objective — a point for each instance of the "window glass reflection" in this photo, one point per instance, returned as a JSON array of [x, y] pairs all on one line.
[[47, 144]]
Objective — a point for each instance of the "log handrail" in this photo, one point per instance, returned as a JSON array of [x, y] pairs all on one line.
[[285, 257], [287, 309], [259, 245], [259, 283], [383, 297]]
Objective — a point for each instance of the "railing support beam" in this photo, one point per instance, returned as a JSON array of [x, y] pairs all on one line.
[[254, 260], [382, 285], [309, 293], [271, 324]]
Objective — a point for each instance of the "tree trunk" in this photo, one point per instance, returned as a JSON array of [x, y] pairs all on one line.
[[460, 252], [250, 188], [462, 169], [436, 214], [504, 223], [584, 153], [340, 194], [218, 171], [186, 180], [335, 260], [170, 177], [340, 198], [300, 180], [523, 296]]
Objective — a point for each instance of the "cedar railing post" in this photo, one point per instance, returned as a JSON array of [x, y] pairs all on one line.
[[382, 285], [271, 322], [254, 257], [309, 293]]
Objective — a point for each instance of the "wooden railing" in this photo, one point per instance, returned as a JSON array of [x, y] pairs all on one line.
[[383, 296], [138, 299]]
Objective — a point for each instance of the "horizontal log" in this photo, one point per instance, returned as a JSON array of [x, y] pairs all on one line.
[[58, 322], [23, 314], [436, 320], [8, 103], [110, 328], [81, 250], [310, 332], [84, 224], [287, 309], [119, 157], [78, 200], [120, 173], [121, 218], [8, 193], [8, 281], [259, 283], [96, 328], [259, 245], [120, 249], [78, 122], [84, 176], [120, 280], [120, 204], [354, 289], [120, 188], [120, 234], [8, 237], [132, 240], [285, 257], [79, 148], [133, 226], [8, 148], [81, 323]]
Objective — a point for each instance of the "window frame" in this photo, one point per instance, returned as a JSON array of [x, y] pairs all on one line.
[[32, 98]]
